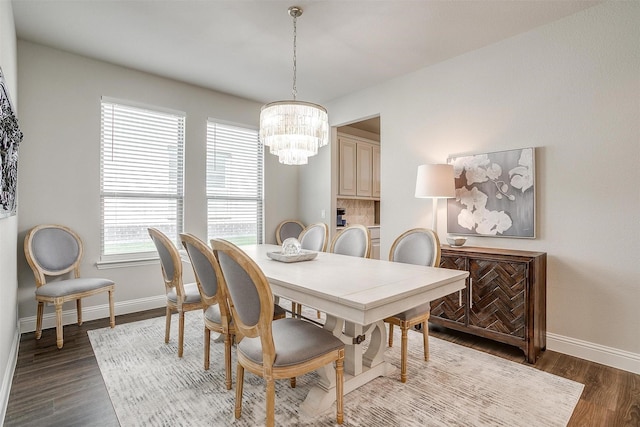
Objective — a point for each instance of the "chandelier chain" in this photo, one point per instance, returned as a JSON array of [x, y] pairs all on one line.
[[294, 130], [295, 69]]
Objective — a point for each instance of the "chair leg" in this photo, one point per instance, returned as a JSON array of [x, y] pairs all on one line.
[[207, 347], [390, 334], [292, 382], [271, 402], [167, 329], [112, 313], [339, 390], [318, 313], [403, 353], [425, 338], [239, 386], [39, 320], [227, 359], [180, 333], [59, 339], [79, 310]]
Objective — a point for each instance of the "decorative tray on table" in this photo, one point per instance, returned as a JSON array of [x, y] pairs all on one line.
[[304, 255]]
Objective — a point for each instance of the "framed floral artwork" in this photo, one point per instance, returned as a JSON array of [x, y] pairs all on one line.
[[495, 194]]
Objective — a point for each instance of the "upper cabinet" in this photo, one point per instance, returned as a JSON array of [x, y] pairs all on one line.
[[359, 167], [376, 172]]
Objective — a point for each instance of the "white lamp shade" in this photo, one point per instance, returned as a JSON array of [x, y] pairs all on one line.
[[435, 181]]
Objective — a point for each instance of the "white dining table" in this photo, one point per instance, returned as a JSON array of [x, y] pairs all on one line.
[[356, 294]]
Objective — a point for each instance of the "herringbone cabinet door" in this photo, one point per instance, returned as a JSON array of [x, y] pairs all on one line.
[[498, 294], [451, 307]]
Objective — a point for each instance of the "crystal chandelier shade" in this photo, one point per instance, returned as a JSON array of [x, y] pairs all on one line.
[[294, 130]]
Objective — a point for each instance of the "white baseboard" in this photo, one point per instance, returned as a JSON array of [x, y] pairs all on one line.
[[28, 324], [5, 389], [609, 356]]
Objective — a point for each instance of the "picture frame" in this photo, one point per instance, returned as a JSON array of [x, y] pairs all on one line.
[[10, 137], [495, 194]]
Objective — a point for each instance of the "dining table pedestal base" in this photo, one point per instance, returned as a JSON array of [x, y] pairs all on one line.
[[360, 366]]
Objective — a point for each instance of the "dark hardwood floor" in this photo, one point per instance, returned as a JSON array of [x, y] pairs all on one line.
[[54, 387]]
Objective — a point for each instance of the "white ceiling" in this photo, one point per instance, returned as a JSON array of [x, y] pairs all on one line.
[[244, 47]]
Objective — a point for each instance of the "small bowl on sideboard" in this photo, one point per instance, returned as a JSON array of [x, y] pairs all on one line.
[[456, 240]]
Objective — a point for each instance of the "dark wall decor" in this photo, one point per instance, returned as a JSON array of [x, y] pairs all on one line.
[[10, 137], [495, 194]]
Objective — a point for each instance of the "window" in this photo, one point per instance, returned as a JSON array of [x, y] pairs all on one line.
[[141, 178], [234, 183]]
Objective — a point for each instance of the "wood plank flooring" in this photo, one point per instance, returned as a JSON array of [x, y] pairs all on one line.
[[54, 387]]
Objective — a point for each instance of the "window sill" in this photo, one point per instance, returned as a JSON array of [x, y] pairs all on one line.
[[121, 263]]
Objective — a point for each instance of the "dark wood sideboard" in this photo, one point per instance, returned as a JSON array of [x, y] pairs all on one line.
[[504, 299]]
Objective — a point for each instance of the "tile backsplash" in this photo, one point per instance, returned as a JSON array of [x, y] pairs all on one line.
[[358, 211]]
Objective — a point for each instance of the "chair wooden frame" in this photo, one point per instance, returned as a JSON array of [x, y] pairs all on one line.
[[263, 329], [40, 274], [282, 224], [226, 327], [420, 319], [175, 281]]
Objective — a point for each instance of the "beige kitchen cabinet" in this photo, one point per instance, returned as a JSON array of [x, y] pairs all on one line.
[[347, 166], [375, 178], [364, 169], [359, 168]]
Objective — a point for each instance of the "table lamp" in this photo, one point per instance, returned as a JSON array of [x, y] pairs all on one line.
[[435, 182]]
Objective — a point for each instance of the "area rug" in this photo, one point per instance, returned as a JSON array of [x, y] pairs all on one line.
[[150, 386]]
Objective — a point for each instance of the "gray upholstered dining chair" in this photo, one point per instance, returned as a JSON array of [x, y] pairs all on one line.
[[53, 251], [272, 349], [314, 237], [419, 246], [181, 297], [216, 313], [355, 240], [288, 228]]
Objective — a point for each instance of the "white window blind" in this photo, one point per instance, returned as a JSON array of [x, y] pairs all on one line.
[[234, 183], [142, 165]]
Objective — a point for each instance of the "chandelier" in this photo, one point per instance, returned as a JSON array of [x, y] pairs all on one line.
[[294, 130]]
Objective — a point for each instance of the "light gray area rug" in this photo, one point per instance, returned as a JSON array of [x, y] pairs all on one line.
[[150, 386]]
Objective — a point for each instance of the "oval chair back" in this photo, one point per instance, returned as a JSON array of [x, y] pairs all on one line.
[[315, 237], [419, 246], [288, 228], [355, 240]]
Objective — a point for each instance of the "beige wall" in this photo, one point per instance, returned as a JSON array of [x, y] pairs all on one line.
[[8, 227], [571, 89], [59, 179]]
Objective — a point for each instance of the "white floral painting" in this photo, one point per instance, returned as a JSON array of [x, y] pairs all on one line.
[[495, 194]]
